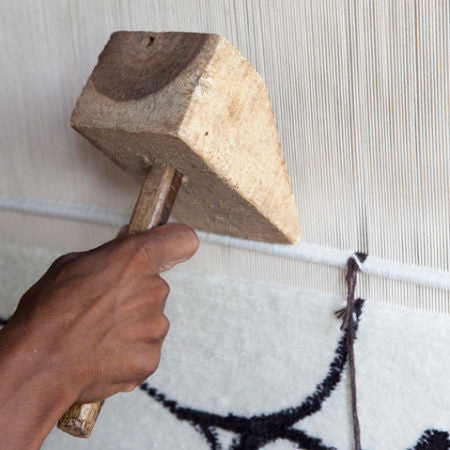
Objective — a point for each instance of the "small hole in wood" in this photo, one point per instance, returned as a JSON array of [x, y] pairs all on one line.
[[206, 133], [150, 41]]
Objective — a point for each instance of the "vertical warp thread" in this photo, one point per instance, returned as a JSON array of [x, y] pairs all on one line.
[[348, 324]]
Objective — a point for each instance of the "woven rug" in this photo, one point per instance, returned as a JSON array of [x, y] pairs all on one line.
[[253, 366]]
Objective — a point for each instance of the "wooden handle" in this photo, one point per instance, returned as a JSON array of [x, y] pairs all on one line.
[[153, 208]]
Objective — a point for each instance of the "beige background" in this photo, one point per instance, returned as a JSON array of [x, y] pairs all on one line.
[[360, 93]]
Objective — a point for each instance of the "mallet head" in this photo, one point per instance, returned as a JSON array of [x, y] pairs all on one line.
[[192, 101]]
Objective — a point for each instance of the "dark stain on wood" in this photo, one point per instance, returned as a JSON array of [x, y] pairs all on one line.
[[135, 64]]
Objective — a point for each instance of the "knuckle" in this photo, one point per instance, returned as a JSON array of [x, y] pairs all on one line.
[[148, 365], [164, 327], [62, 268], [163, 288], [63, 259], [158, 329], [128, 387]]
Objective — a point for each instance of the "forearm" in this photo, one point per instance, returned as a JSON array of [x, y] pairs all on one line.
[[32, 395]]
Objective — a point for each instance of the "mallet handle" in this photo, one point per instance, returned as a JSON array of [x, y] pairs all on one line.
[[152, 208]]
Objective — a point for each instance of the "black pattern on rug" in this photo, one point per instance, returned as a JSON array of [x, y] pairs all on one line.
[[257, 431], [433, 440], [252, 433]]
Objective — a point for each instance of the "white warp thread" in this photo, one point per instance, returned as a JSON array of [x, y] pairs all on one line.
[[302, 251]]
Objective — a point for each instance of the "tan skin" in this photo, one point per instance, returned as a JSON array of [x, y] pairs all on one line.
[[92, 326]]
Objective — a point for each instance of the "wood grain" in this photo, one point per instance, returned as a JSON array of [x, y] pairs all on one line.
[[80, 419], [136, 64], [213, 122], [156, 199]]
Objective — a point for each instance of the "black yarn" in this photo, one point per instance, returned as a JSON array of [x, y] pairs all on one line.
[[433, 440], [361, 256], [348, 324], [259, 430], [210, 434]]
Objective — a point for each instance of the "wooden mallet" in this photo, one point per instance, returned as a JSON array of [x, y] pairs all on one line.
[[186, 113]]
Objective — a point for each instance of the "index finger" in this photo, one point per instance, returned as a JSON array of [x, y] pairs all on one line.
[[167, 245]]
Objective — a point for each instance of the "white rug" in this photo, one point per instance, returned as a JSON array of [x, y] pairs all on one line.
[[254, 366]]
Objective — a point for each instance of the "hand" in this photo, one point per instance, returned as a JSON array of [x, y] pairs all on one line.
[[97, 317], [95, 320]]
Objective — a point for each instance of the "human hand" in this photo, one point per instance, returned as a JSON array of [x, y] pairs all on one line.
[[96, 318]]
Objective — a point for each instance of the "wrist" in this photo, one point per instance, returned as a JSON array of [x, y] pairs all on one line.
[[33, 395]]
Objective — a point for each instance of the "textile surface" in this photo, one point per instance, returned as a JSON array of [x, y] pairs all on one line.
[[255, 350]]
